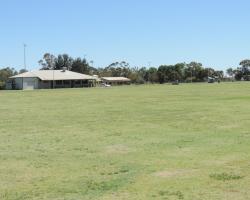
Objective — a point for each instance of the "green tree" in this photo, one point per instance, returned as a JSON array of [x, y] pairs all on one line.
[[152, 75], [80, 65], [5, 73], [116, 69], [194, 72], [22, 71], [63, 61], [230, 71], [244, 69], [48, 62], [238, 73]]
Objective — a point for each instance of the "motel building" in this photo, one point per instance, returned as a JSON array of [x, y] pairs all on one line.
[[49, 79]]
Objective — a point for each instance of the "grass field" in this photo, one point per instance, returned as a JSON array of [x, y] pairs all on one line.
[[190, 141]]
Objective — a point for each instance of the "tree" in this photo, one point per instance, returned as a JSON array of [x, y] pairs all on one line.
[[245, 69], [152, 75], [168, 73], [116, 69], [219, 74], [63, 61], [194, 71], [22, 71], [5, 73], [48, 62], [238, 74], [80, 65], [245, 63], [230, 72], [179, 71], [162, 74]]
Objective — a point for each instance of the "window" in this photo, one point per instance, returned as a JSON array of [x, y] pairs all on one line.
[[66, 82], [58, 82]]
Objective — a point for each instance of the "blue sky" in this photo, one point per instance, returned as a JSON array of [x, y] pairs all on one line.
[[214, 32]]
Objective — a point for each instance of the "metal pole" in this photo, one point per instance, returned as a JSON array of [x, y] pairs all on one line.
[[24, 55]]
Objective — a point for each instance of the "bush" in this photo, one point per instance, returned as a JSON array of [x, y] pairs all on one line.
[[225, 176], [2, 85]]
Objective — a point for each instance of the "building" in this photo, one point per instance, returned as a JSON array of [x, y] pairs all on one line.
[[115, 80], [47, 79]]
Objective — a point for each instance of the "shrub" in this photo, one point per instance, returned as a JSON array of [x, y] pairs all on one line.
[[225, 176]]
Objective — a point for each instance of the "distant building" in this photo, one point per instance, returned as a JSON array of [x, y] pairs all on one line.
[[47, 79], [115, 80]]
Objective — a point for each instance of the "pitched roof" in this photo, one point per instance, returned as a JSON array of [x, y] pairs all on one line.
[[48, 75], [116, 79]]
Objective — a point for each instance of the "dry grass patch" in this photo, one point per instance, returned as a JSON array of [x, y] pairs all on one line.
[[174, 173], [118, 149]]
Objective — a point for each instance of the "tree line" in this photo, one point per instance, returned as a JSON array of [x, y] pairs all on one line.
[[242, 72], [191, 72], [183, 72]]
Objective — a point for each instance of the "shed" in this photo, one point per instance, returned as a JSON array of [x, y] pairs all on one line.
[[116, 80]]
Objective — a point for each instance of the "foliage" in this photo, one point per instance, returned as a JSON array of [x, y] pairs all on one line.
[[22, 71], [226, 176], [48, 62], [230, 71], [167, 194], [64, 61], [80, 65], [5, 73], [242, 72], [183, 72]]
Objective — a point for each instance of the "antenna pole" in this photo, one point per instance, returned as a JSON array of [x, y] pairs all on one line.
[[24, 55]]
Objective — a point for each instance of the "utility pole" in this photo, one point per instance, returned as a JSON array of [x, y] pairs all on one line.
[[24, 56]]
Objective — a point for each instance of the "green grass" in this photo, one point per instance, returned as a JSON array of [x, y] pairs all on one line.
[[225, 177], [190, 141]]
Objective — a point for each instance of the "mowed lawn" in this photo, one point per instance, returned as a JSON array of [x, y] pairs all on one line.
[[190, 141]]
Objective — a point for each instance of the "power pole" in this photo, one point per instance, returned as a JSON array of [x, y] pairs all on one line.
[[24, 56]]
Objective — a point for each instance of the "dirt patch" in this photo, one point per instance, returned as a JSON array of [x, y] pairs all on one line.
[[174, 173], [118, 149], [117, 196]]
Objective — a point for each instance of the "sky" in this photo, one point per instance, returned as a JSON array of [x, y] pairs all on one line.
[[141, 32]]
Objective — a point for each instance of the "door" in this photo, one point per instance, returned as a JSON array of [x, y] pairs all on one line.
[[29, 83]]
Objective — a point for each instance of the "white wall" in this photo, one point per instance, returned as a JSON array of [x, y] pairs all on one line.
[[26, 83], [30, 83]]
